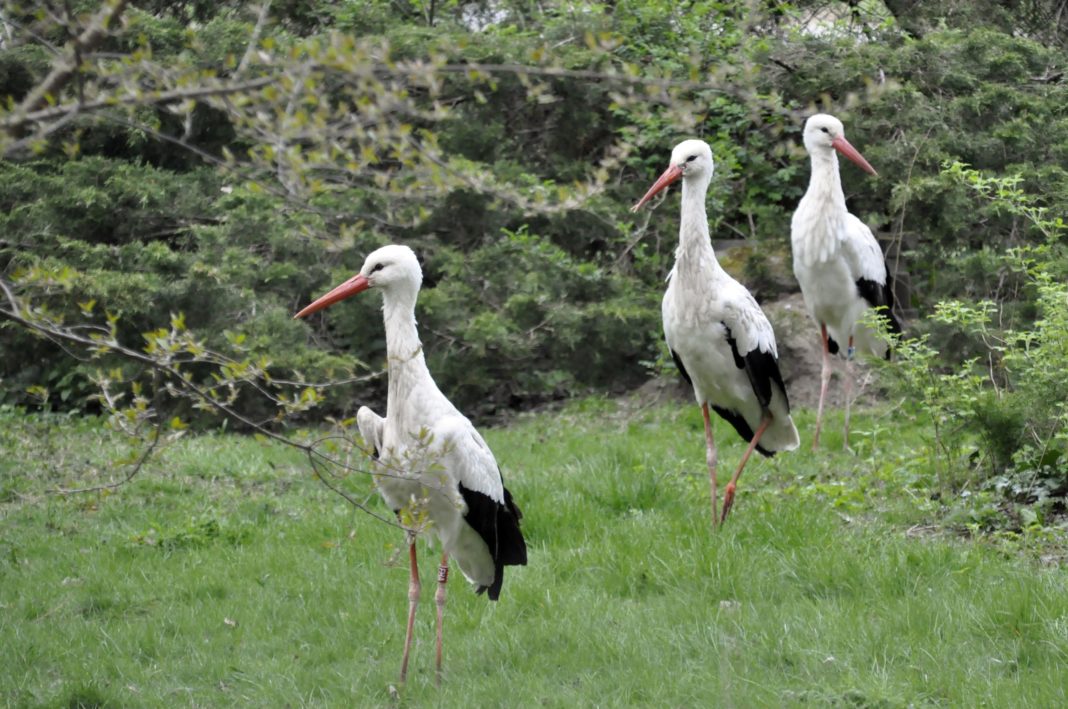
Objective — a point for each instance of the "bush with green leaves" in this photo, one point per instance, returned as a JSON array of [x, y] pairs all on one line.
[[998, 405]]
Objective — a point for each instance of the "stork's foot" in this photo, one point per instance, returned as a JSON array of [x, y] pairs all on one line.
[[728, 500]]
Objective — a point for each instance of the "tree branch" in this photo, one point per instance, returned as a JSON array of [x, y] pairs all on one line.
[[18, 119], [261, 21], [65, 66], [169, 370]]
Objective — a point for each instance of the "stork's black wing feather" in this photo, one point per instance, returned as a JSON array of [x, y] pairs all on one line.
[[739, 362], [872, 292], [762, 368], [498, 525], [881, 297]]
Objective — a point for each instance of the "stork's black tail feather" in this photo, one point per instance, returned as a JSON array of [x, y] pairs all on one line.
[[511, 547]]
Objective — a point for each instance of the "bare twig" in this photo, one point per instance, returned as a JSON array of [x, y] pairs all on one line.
[[639, 234], [315, 463]]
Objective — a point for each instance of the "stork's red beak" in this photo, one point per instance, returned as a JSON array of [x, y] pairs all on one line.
[[670, 175], [356, 284], [843, 146]]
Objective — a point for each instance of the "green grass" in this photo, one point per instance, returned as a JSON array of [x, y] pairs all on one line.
[[225, 574]]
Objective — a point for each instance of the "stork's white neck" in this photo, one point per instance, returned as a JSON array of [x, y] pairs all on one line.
[[825, 183], [398, 313], [816, 229], [694, 254], [404, 350]]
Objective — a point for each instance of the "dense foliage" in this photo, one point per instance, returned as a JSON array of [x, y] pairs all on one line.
[[504, 142]]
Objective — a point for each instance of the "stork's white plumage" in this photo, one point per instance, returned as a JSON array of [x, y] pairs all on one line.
[[719, 337], [837, 260], [429, 457]]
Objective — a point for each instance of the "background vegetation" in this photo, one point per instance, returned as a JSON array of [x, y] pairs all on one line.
[[503, 141], [178, 178]]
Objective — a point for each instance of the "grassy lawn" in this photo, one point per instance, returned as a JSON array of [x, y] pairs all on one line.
[[225, 574]]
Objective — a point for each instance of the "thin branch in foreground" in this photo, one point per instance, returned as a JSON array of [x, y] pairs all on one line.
[[157, 433], [18, 119], [349, 498], [261, 21], [175, 378]]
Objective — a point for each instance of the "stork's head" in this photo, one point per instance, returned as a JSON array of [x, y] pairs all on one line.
[[824, 133], [391, 268], [691, 160]]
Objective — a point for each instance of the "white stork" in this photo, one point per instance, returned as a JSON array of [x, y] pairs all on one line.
[[837, 260], [429, 458], [719, 337]]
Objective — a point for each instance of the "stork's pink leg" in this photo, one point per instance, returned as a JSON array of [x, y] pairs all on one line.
[[728, 493], [439, 600], [413, 601], [825, 378], [848, 391], [710, 459]]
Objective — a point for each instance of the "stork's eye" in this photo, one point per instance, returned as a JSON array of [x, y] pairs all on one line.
[[691, 158], [378, 267], [824, 129]]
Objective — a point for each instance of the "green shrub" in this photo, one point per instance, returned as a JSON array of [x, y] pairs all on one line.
[[999, 416]]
